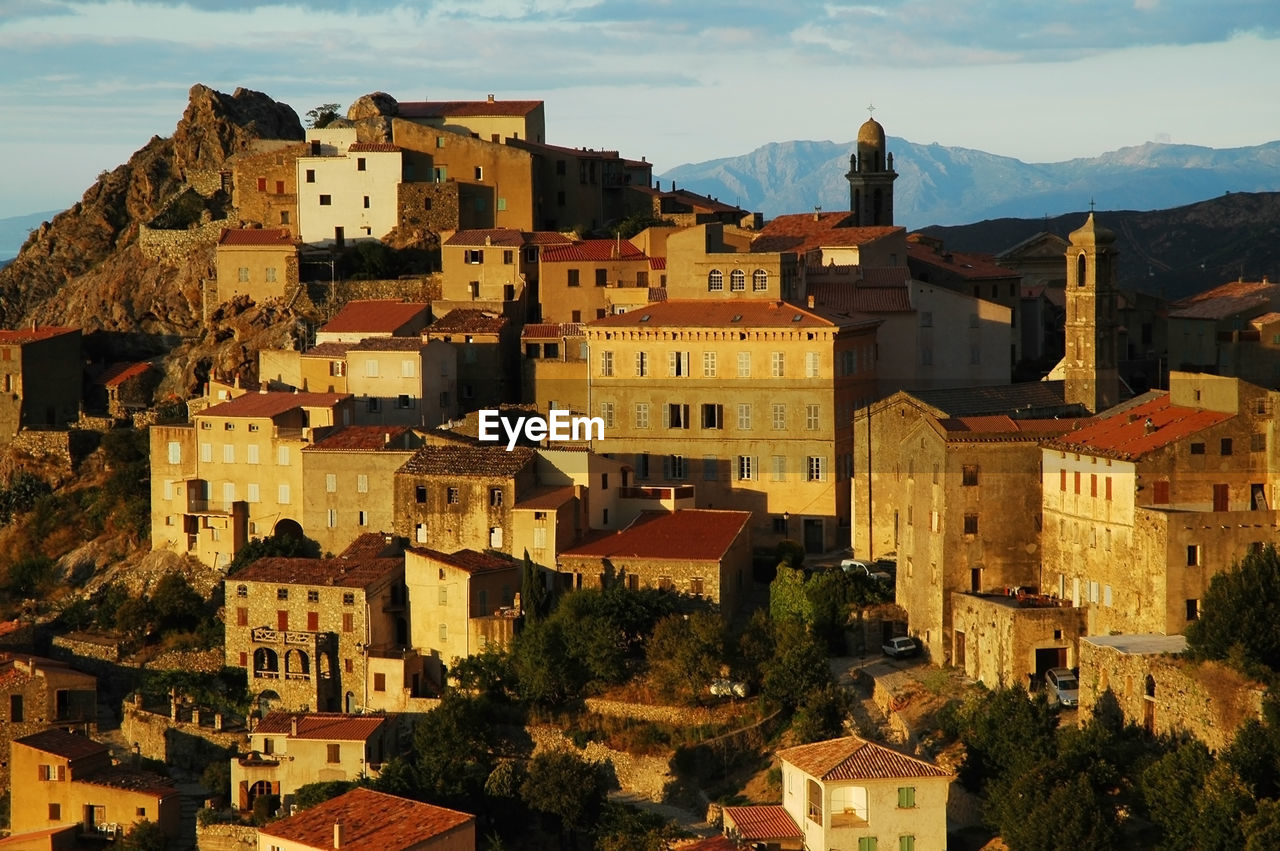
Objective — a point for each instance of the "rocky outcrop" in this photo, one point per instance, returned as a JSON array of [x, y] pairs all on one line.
[[373, 105], [216, 125]]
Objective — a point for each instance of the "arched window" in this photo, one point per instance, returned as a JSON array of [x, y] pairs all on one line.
[[759, 280], [737, 281], [715, 280], [297, 664], [1080, 270], [265, 662]]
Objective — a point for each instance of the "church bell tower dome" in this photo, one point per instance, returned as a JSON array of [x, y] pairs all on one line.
[[871, 177]]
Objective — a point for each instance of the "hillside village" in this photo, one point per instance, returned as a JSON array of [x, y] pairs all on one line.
[[279, 580]]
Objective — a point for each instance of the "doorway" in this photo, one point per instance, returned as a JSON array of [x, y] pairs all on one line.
[[813, 538], [1049, 657]]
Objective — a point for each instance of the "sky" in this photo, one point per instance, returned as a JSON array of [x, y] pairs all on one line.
[[84, 83]]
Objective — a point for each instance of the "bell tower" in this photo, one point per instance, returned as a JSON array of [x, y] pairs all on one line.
[[1090, 365], [871, 177]]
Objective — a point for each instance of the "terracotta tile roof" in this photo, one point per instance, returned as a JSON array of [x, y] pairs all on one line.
[[884, 276], [551, 331], [335, 726], [690, 534], [592, 250], [508, 237], [581, 153], [469, 560], [1265, 319], [488, 460], [1001, 427], [547, 498], [467, 321], [63, 744], [328, 350], [853, 297], [447, 108], [387, 344], [7, 627], [546, 237], [854, 758], [34, 335], [362, 439], [702, 203], [971, 267], [1126, 435], [275, 237], [120, 777], [805, 231], [272, 404], [658, 264], [1227, 300], [370, 820], [1034, 398], [763, 823], [373, 148], [339, 572], [727, 313], [381, 315], [118, 373], [371, 545]]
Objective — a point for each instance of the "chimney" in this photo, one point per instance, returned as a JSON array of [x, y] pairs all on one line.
[[33, 325], [337, 825], [386, 438], [1149, 427], [810, 302], [490, 98], [293, 726]]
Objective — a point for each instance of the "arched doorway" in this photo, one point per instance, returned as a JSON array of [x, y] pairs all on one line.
[[287, 528], [349, 702], [267, 701], [262, 787]]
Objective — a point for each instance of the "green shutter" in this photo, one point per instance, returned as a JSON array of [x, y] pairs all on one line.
[[906, 843], [906, 797], [867, 843]]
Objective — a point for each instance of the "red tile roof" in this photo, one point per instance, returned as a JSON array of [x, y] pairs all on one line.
[[1226, 300], [884, 276], [658, 264], [118, 373], [551, 331], [387, 344], [508, 237], [63, 744], [852, 297], [340, 572], [592, 250], [854, 758], [373, 148], [362, 439], [447, 108], [1000, 426], [371, 545], [690, 534], [971, 267], [1265, 319], [381, 315], [728, 313], [1125, 435], [370, 820], [762, 823], [467, 321], [805, 231], [698, 202], [469, 560], [34, 335], [133, 780], [277, 237], [329, 350], [272, 404], [335, 726], [488, 460]]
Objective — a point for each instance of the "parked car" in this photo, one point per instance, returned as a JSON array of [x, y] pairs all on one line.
[[901, 647], [1062, 685], [861, 568]]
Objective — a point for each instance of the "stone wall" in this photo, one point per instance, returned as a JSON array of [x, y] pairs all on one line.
[[679, 716], [428, 207], [173, 246], [645, 776], [186, 744], [226, 837], [330, 298], [203, 661], [79, 646], [48, 445]]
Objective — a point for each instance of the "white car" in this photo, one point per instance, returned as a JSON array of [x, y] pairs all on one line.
[[901, 647], [861, 568], [1063, 686]]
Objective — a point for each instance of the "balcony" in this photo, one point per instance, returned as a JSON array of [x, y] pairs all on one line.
[[657, 492]]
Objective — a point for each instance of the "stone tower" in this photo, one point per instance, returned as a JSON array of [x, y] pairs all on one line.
[[1090, 366], [871, 178]]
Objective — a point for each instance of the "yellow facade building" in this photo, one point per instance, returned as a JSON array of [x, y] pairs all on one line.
[[260, 263]]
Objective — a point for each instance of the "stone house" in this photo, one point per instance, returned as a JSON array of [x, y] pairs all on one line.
[[360, 320], [699, 552], [495, 120], [1154, 685], [38, 693], [347, 478], [852, 793], [686, 209], [347, 189], [1012, 639], [363, 818], [68, 779], [939, 490], [292, 749], [261, 263], [587, 280], [493, 269], [751, 399], [1038, 259], [402, 380], [236, 471], [40, 379], [584, 189], [123, 389], [1143, 507], [463, 603], [303, 628], [716, 262], [265, 182], [554, 366], [488, 356]]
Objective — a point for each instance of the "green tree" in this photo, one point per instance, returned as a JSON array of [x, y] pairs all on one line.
[[1005, 732], [145, 835], [798, 666], [1240, 617], [457, 746], [274, 546], [563, 785], [534, 597], [175, 604], [686, 653], [1169, 785], [787, 599], [310, 794], [323, 115], [216, 777], [756, 647], [265, 808], [821, 715], [1262, 829]]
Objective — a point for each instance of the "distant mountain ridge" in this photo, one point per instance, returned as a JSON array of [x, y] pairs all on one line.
[[14, 231], [941, 185]]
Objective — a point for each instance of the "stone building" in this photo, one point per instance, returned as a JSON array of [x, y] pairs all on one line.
[[40, 379], [1228, 330], [685, 209], [939, 490], [1038, 259], [491, 119], [584, 189], [122, 389], [363, 818], [713, 261], [400, 380], [750, 399], [587, 280], [851, 793], [347, 479], [871, 177], [292, 749], [554, 366], [702, 553], [236, 471], [463, 603], [68, 779], [259, 263], [1012, 639], [265, 182], [1090, 366], [487, 355], [493, 269], [1143, 507], [303, 628], [38, 693], [1153, 684]]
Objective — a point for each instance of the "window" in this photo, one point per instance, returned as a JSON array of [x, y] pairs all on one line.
[[311, 175], [1258, 442], [313, 596], [495, 497], [926, 319], [55, 812], [737, 281], [330, 483], [778, 363], [744, 364], [906, 797], [906, 843], [228, 453], [642, 364], [271, 274], [348, 619], [379, 682], [1197, 449], [242, 274], [695, 587], [1093, 484], [333, 753], [811, 364], [282, 456], [404, 401], [759, 280], [326, 200], [573, 278], [444, 632], [677, 467], [971, 524], [715, 280], [779, 468], [1076, 481], [1108, 488], [779, 412], [473, 256], [746, 468], [811, 417], [360, 164], [1226, 446], [710, 471], [712, 416], [333, 518], [677, 416], [606, 364], [1160, 493], [366, 203], [175, 451], [1193, 555], [708, 364], [867, 843], [969, 475], [678, 364], [282, 495], [206, 452], [362, 483], [602, 277], [642, 415], [252, 493], [815, 466], [606, 413], [1193, 610], [744, 416], [313, 621]]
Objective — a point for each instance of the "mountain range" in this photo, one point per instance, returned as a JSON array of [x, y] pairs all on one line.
[[14, 231], [941, 185]]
